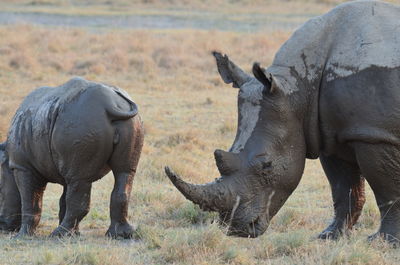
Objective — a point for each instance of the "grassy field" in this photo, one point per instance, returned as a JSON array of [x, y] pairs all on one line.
[[112, 7], [104, 7], [188, 112]]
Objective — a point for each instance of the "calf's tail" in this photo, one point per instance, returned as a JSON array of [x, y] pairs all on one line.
[[117, 114]]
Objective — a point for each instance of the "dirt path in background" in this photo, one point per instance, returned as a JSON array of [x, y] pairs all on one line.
[[194, 20]]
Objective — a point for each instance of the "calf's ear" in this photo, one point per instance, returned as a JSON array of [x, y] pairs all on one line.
[[229, 72]]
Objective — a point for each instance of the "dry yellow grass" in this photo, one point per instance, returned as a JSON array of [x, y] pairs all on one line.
[[187, 112], [171, 6]]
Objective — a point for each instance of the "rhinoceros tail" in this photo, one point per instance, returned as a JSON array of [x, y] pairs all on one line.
[[116, 114]]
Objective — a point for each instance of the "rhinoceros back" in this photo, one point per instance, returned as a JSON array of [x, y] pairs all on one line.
[[348, 39], [31, 139]]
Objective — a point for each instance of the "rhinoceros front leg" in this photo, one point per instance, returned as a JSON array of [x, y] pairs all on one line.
[[77, 200], [348, 195], [119, 206], [31, 189], [62, 205], [380, 164]]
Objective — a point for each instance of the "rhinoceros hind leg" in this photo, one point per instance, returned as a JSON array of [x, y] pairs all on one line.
[[31, 191], [119, 226], [123, 163], [347, 192], [63, 209], [77, 206], [380, 164]]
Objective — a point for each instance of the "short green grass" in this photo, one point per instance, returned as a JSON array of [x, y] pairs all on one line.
[[188, 112]]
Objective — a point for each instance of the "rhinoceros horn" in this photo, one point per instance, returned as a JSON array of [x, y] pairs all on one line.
[[227, 162], [213, 196]]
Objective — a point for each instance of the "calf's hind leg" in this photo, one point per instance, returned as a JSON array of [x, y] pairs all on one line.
[[119, 226], [63, 209], [380, 164], [348, 195], [77, 200], [123, 163]]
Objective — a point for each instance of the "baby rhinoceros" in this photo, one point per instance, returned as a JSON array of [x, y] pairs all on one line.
[[73, 135]]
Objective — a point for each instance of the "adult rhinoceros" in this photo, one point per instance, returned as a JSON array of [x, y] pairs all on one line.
[[72, 135], [333, 92]]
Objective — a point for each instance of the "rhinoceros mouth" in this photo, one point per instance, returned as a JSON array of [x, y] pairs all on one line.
[[250, 230]]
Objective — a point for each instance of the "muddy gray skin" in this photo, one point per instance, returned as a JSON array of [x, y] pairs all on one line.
[[73, 135], [332, 92]]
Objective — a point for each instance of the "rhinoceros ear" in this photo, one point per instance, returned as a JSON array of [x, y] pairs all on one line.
[[271, 83], [229, 72], [260, 75]]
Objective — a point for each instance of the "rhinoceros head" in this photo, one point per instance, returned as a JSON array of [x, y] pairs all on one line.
[[266, 160], [10, 202]]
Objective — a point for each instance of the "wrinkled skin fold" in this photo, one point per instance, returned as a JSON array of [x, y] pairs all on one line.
[[332, 92]]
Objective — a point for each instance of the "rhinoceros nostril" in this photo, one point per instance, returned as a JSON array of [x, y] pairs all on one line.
[[253, 228], [266, 165]]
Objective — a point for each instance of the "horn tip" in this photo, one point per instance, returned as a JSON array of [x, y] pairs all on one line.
[[170, 174], [219, 55], [256, 65], [218, 153], [215, 53]]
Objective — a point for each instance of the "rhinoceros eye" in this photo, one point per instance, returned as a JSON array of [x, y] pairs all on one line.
[[261, 164], [266, 165]]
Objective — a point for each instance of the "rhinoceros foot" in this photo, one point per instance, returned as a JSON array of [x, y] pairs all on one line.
[[120, 230], [61, 231], [9, 227], [332, 232], [24, 232], [392, 240]]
